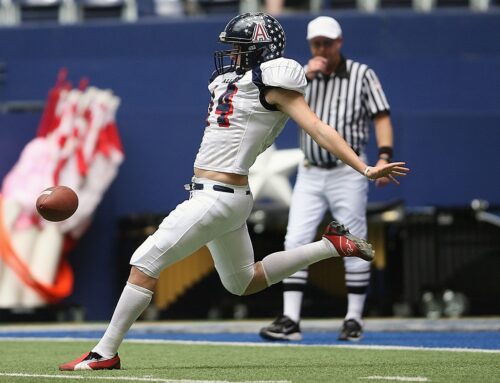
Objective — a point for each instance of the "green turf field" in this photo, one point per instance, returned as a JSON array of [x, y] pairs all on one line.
[[178, 362]]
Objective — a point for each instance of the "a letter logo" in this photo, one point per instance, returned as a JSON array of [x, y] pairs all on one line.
[[260, 34]]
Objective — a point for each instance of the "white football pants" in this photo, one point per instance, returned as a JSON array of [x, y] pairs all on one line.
[[217, 219], [342, 191]]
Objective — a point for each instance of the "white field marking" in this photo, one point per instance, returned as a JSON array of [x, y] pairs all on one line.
[[398, 378], [131, 378], [250, 344]]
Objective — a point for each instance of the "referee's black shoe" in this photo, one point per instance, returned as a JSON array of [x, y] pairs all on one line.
[[351, 330], [283, 328]]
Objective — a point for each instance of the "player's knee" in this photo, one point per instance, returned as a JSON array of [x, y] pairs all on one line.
[[259, 281], [141, 278], [145, 256], [233, 288], [237, 283]]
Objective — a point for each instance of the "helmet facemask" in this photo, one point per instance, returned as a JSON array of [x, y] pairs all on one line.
[[241, 58]]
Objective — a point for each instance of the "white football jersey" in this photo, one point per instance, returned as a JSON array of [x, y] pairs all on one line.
[[240, 123]]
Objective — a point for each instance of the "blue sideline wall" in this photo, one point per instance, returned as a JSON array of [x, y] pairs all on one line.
[[441, 73]]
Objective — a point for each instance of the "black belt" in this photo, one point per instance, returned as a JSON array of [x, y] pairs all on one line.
[[330, 165], [219, 188], [327, 165]]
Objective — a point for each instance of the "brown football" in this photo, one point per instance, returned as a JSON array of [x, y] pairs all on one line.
[[57, 203]]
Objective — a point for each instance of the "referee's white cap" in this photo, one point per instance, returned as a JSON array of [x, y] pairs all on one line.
[[324, 26]]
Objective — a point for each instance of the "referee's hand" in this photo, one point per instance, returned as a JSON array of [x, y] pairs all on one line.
[[390, 170], [315, 65], [383, 181]]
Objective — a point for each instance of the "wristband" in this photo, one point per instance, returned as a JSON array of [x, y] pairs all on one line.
[[368, 168], [385, 153], [385, 157]]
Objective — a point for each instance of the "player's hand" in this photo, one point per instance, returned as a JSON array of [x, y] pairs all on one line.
[[315, 65], [383, 181], [391, 170]]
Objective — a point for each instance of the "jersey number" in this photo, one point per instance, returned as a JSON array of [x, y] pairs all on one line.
[[225, 106]]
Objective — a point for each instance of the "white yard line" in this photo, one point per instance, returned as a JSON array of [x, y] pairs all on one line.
[[398, 378], [131, 378], [250, 344]]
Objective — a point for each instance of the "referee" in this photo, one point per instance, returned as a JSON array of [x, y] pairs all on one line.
[[348, 96]]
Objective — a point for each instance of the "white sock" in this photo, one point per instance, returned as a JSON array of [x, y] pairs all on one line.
[[278, 266], [132, 303], [292, 302], [355, 305]]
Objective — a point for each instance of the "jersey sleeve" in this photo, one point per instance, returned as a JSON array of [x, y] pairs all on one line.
[[375, 99], [284, 73]]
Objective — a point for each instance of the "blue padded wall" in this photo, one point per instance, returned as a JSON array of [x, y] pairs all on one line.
[[441, 73]]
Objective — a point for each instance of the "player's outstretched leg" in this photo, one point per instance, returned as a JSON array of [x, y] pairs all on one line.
[[92, 361], [346, 244]]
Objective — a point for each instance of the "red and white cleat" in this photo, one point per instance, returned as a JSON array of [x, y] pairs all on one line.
[[92, 361], [346, 244]]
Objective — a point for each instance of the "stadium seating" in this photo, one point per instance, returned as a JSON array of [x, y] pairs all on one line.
[[219, 6], [66, 11], [99, 9], [13, 12]]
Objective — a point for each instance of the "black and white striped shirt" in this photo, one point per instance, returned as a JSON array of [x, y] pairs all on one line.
[[346, 100]]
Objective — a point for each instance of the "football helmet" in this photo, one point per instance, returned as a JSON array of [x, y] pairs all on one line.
[[256, 38]]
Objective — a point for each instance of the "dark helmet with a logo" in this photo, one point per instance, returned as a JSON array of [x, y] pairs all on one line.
[[259, 37]]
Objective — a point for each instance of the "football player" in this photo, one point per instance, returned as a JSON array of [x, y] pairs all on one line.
[[252, 97]]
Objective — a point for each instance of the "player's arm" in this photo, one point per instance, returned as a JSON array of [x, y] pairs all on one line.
[[383, 130], [384, 136], [294, 104]]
